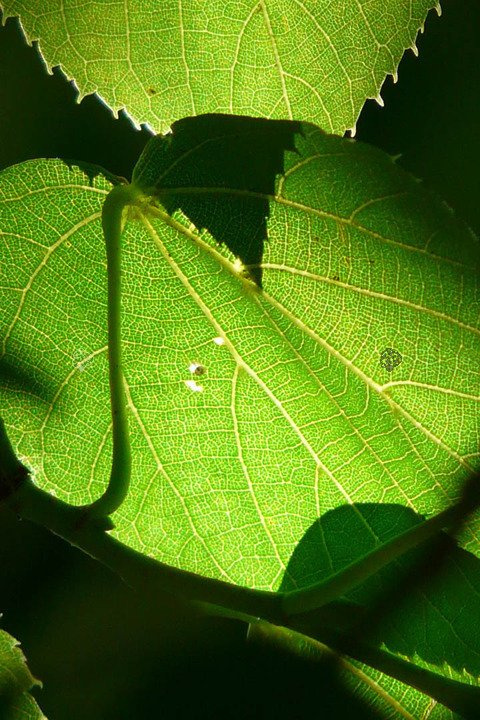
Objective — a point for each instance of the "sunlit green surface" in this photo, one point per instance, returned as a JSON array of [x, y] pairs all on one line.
[[295, 415], [312, 60]]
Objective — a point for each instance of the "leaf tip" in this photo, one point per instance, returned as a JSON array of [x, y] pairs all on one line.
[[352, 132], [414, 49], [438, 9], [379, 100], [124, 113]]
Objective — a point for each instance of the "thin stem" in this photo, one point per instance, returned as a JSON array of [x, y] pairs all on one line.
[[262, 609], [113, 220], [152, 576]]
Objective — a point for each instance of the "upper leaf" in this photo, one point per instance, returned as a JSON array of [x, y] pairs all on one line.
[[16, 703], [313, 60]]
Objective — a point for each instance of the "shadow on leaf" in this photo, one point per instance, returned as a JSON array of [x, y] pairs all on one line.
[[436, 621], [93, 171], [14, 377], [220, 170]]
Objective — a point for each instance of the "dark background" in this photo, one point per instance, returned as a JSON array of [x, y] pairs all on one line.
[[102, 651]]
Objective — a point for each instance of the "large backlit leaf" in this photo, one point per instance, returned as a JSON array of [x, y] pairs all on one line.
[[314, 60], [254, 412], [296, 415], [16, 703]]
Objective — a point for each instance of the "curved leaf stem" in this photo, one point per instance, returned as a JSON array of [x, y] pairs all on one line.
[[300, 608], [307, 608], [264, 610], [113, 220], [136, 569]]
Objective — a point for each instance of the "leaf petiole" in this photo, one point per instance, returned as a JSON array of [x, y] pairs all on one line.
[[113, 220]]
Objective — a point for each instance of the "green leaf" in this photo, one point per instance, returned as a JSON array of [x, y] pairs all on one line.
[[293, 415], [16, 681], [311, 59], [296, 416]]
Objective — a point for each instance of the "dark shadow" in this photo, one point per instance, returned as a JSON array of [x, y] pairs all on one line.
[[433, 619], [238, 155], [142, 656], [431, 116], [92, 171], [10, 703], [17, 378]]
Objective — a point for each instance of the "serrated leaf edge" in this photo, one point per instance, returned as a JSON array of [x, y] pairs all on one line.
[[137, 124]]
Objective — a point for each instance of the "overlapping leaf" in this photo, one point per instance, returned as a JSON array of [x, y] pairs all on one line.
[[314, 60]]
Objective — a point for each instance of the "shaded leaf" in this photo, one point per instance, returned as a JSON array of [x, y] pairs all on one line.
[[254, 149], [431, 622]]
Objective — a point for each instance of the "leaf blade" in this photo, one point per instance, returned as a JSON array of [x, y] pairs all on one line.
[[316, 61]]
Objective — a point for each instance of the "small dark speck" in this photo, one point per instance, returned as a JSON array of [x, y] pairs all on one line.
[[151, 91], [335, 277]]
